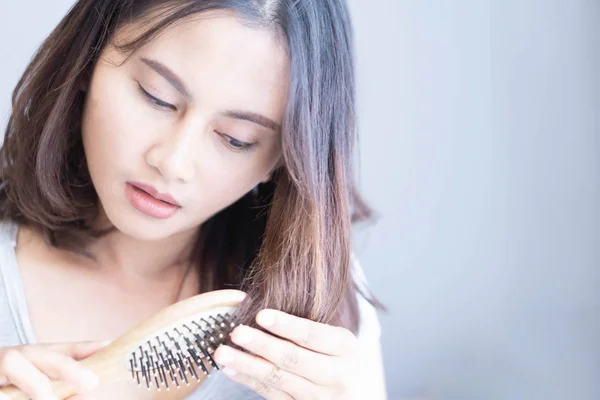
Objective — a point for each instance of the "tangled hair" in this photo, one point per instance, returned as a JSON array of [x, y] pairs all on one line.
[[287, 246]]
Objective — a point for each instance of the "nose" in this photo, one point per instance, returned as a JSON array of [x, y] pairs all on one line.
[[173, 155]]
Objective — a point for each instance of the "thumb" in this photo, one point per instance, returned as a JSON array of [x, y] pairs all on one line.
[[78, 350]]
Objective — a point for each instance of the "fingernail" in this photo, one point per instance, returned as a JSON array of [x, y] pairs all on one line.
[[241, 335], [229, 371], [266, 318], [225, 355]]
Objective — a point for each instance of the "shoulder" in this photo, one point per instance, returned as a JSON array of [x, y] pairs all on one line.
[[8, 283], [369, 326], [8, 234], [8, 267]]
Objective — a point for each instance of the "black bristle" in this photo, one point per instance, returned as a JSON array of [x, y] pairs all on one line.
[[191, 367], [205, 352], [163, 376], [156, 380], [145, 374], [183, 370], [198, 361], [218, 327], [179, 350], [157, 372]]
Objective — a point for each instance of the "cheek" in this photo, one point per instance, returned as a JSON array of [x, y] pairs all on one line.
[[115, 129], [229, 184], [226, 180]]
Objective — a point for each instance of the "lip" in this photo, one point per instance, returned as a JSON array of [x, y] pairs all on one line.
[[152, 191], [139, 196]]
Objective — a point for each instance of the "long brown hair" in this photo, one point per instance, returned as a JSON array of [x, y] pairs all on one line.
[[288, 243]]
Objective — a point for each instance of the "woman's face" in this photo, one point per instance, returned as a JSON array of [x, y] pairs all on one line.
[[194, 114]]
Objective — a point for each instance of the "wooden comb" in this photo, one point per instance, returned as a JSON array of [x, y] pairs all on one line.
[[168, 350]]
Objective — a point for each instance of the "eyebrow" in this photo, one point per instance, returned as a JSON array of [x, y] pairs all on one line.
[[169, 75], [178, 84], [252, 117]]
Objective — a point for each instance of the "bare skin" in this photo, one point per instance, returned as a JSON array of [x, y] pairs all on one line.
[[106, 303]]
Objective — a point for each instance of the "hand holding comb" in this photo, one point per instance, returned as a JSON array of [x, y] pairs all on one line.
[[169, 350]]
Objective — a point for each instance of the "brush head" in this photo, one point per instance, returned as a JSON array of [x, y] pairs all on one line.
[[181, 352]]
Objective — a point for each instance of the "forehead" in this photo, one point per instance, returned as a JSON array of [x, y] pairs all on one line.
[[223, 62]]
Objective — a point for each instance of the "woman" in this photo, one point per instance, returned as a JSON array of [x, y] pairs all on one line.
[[161, 149]]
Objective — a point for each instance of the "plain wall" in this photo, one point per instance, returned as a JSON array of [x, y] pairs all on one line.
[[479, 150]]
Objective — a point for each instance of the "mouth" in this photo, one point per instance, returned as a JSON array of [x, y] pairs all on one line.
[[148, 200], [152, 191]]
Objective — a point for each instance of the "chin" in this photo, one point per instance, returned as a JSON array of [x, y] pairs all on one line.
[[141, 231]]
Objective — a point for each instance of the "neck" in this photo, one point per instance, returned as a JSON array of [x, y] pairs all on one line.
[[148, 260], [157, 268]]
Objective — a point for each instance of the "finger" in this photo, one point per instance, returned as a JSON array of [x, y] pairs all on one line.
[[78, 350], [24, 375], [264, 372], [317, 368], [322, 338], [80, 396], [268, 392], [244, 368], [61, 367]]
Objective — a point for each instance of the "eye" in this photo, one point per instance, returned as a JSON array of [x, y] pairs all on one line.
[[155, 102], [235, 144]]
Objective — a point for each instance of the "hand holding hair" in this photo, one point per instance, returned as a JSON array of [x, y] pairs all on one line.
[[307, 360]]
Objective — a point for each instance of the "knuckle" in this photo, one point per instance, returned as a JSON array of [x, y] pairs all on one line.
[[311, 336], [261, 387], [290, 358], [273, 376]]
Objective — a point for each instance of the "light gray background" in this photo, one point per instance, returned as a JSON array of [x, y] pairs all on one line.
[[479, 150]]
